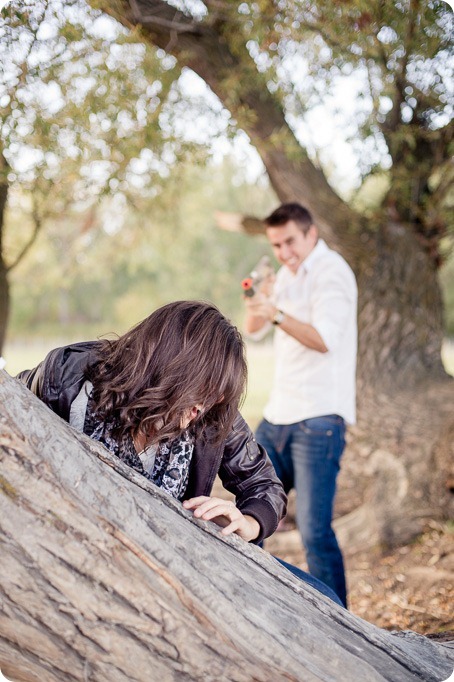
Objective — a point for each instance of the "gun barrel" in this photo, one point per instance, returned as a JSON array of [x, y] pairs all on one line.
[[248, 286], [262, 270]]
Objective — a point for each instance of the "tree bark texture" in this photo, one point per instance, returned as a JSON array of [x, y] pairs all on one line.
[[398, 469], [4, 284], [105, 578], [400, 311]]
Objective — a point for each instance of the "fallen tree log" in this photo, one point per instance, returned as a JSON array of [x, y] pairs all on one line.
[[104, 577]]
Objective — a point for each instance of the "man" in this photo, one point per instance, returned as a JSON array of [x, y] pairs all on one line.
[[313, 309]]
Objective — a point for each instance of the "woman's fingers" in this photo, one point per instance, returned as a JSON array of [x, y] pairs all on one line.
[[210, 507], [225, 514], [195, 502], [233, 527]]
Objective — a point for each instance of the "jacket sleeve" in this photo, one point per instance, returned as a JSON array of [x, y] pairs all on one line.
[[58, 379], [33, 379], [247, 472]]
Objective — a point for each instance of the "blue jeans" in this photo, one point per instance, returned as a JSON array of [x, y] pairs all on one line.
[[306, 457], [310, 580]]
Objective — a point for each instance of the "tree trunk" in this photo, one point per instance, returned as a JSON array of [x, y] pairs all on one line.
[[4, 285], [4, 302], [399, 462], [401, 452], [104, 577], [400, 311]]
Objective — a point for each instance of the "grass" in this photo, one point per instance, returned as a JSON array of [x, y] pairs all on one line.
[[261, 366]]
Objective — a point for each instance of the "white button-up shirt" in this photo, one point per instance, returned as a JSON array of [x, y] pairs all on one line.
[[308, 383]]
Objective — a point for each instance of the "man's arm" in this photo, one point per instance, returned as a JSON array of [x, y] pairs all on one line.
[[302, 332], [333, 302], [260, 311]]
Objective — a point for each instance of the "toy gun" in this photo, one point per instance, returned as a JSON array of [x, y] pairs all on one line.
[[262, 270]]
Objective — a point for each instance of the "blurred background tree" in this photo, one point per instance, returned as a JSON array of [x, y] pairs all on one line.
[[274, 65], [108, 277], [81, 104]]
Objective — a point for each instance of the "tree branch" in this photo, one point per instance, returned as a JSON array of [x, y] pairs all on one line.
[[37, 224], [225, 64], [393, 119], [183, 25]]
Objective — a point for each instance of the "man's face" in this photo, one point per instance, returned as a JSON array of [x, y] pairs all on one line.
[[290, 245]]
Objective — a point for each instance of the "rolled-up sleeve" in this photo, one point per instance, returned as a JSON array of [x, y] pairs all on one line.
[[260, 333], [333, 303]]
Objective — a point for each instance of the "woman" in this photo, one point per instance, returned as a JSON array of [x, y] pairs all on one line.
[[164, 398]]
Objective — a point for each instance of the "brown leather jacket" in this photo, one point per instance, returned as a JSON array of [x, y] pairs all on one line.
[[242, 464]]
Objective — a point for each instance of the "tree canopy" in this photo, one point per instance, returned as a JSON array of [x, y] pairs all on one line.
[[299, 56], [86, 111]]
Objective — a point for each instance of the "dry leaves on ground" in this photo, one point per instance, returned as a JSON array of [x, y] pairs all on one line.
[[408, 588]]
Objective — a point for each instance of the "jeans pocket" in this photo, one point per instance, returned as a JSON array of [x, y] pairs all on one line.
[[321, 426], [325, 434]]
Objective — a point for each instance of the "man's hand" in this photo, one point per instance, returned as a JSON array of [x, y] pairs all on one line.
[[259, 311], [260, 306], [224, 514]]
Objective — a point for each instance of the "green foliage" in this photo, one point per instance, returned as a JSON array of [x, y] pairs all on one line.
[[129, 262], [82, 101], [383, 70], [98, 132], [371, 193]]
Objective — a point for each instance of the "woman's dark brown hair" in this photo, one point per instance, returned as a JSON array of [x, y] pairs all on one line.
[[184, 354]]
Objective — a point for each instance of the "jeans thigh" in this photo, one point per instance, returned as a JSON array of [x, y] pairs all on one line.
[[317, 446], [275, 439]]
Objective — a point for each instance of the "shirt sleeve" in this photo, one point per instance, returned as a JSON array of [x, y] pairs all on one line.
[[333, 302], [260, 333]]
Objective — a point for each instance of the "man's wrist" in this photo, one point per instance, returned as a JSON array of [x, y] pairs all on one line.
[[278, 317]]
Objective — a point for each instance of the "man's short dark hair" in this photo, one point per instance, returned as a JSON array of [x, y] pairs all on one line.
[[291, 211]]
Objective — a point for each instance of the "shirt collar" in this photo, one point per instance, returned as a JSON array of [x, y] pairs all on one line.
[[317, 252]]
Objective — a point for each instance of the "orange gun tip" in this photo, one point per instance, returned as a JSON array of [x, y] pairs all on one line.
[[247, 283]]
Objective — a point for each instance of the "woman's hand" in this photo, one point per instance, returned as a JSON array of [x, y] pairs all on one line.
[[225, 514]]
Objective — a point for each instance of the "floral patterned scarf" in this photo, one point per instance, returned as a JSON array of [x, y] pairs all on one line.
[[166, 464]]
